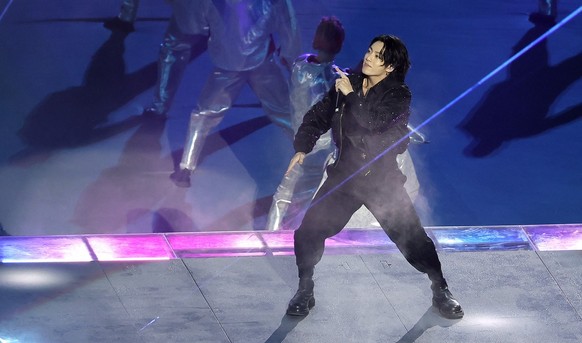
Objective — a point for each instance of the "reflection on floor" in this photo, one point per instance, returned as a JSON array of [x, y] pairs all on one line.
[[135, 247], [516, 284]]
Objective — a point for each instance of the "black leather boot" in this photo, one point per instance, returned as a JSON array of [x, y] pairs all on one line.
[[303, 300], [444, 301]]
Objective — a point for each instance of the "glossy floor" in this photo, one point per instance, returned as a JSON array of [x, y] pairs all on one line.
[[516, 284], [135, 247]]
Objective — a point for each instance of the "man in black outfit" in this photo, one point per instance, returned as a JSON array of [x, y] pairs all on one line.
[[367, 113]]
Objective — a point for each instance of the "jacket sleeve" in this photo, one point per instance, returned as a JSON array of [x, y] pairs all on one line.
[[316, 122]]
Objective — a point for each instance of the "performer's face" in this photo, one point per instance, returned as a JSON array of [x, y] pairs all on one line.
[[373, 62]]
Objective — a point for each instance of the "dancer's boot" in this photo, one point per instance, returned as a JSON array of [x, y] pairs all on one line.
[[200, 126], [443, 300], [303, 299]]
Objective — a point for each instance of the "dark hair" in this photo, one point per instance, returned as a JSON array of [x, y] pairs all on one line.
[[394, 53], [329, 35]]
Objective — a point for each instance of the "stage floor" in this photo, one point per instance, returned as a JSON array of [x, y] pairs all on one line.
[[516, 284]]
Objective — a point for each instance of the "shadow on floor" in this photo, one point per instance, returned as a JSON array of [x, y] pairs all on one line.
[[519, 107]]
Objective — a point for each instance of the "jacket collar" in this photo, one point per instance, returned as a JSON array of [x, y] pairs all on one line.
[[382, 86]]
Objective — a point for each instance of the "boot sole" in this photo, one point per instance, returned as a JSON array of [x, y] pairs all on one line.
[[310, 305], [453, 315], [456, 315], [179, 182]]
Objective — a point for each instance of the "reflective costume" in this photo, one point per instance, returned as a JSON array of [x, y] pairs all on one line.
[[310, 81], [241, 48], [183, 33], [186, 32]]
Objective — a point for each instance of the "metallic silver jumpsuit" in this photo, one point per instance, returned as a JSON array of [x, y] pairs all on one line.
[[310, 81], [187, 31], [241, 47]]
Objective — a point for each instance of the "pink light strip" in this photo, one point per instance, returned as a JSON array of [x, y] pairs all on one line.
[[148, 247]]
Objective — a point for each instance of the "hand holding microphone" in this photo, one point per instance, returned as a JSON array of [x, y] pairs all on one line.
[[342, 83]]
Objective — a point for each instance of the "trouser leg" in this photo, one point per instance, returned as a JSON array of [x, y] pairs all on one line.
[[392, 207], [306, 187], [406, 166], [330, 210], [282, 199], [175, 52], [215, 99], [199, 128], [272, 88], [296, 190]]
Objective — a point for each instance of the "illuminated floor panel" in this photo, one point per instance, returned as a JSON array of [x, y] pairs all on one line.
[[482, 238], [130, 247], [44, 249], [258, 243], [551, 237]]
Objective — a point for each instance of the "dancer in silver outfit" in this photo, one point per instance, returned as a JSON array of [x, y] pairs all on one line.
[[311, 78], [242, 48]]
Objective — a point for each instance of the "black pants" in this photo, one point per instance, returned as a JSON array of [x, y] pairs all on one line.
[[384, 195]]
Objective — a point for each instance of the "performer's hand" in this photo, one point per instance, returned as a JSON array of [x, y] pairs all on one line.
[[297, 158], [342, 84]]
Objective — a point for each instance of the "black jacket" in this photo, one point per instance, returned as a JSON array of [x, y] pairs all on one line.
[[363, 127]]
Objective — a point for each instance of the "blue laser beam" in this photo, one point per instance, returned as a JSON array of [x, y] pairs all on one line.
[[502, 66], [5, 9], [457, 99]]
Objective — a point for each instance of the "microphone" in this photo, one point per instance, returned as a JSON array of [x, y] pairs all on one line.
[[337, 96]]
